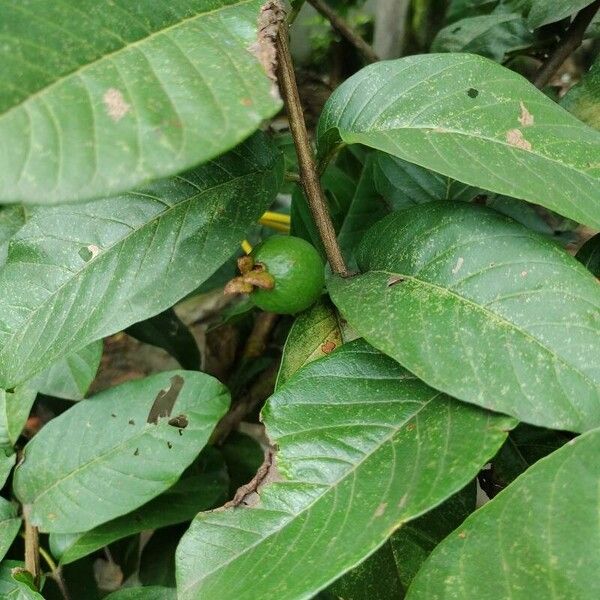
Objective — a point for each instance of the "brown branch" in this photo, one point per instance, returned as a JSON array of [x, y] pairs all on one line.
[[567, 45], [306, 161], [32, 548], [259, 336], [261, 389], [345, 30]]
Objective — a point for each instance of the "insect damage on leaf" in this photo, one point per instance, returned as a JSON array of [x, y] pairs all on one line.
[[515, 138], [249, 493], [526, 118], [115, 104], [165, 400], [269, 19], [179, 421]]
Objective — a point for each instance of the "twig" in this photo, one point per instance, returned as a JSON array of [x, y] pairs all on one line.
[[260, 390], [306, 161], [55, 573], [257, 340], [567, 45], [32, 548], [345, 30]]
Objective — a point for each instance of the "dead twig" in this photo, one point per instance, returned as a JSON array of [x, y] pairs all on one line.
[[567, 45], [345, 30]]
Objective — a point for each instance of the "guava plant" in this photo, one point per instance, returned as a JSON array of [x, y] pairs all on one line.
[[398, 394]]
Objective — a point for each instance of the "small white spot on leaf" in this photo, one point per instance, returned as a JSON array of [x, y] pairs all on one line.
[[459, 263], [115, 104], [526, 119], [515, 138], [380, 509], [94, 250]]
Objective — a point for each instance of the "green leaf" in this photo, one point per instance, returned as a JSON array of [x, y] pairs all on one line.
[[8, 458], [123, 459], [589, 255], [460, 9], [549, 11], [118, 94], [10, 523], [15, 406], [11, 588], [389, 572], [202, 486], [493, 36], [537, 539], [404, 184], [144, 593], [12, 218], [314, 334], [583, 99], [483, 309], [475, 121], [77, 273], [363, 447], [70, 377], [167, 331]]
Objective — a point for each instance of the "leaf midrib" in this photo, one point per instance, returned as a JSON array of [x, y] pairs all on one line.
[[125, 48]]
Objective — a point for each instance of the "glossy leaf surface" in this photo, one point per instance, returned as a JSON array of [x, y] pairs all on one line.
[[77, 273], [203, 486], [492, 35], [363, 448], [473, 120], [536, 539], [123, 460], [10, 523], [482, 308], [70, 377], [100, 96]]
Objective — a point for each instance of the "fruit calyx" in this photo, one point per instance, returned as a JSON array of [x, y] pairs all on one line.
[[253, 275]]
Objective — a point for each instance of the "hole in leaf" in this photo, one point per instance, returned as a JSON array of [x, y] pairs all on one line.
[[473, 93], [165, 400]]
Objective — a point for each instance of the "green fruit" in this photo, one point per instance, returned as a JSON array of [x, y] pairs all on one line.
[[297, 269]]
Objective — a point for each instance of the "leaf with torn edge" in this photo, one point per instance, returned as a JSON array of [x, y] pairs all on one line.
[[79, 272], [100, 96], [363, 447], [482, 308], [475, 121], [122, 461], [540, 534]]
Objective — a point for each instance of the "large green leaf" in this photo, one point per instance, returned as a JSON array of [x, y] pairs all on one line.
[[144, 593], [583, 99], [475, 121], [10, 523], [492, 35], [203, 486], [314, 334], [76, 273], [15, 405], [482, 308], [538, 538], [589, 255], [363, 447], [70, 377], [110, 454], [99, 96]]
